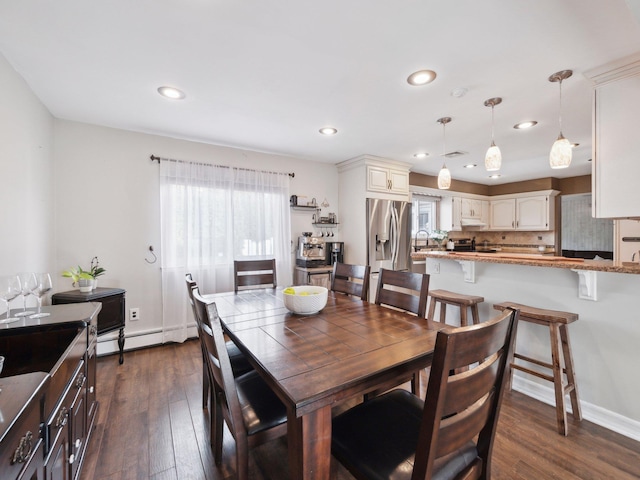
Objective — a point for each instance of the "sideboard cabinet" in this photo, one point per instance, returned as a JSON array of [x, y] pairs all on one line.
[[112, 315]]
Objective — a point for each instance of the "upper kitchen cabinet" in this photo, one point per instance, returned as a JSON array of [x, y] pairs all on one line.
[[458, 212], [531, 212], [387, 180], [616, 143]]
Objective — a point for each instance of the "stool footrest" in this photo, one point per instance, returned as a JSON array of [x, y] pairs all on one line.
[[535, 373]]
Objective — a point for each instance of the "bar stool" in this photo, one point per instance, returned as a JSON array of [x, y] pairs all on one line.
[[559, 335], [445, 297]]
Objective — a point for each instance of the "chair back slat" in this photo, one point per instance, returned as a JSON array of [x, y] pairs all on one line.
[[351, 279], [254, 273], [404, 290], [463, 407]]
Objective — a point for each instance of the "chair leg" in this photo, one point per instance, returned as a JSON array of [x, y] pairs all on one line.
[[463, 316], [443, 312], [415, 383], [432, 309], [571, 376], [558, 381], [217, 430], [242, 460], [205, 385], [474, 314]]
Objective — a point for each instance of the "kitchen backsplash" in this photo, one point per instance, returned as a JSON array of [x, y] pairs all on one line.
[[525, 240]]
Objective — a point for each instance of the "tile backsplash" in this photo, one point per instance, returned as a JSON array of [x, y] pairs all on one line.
[[509, 239]]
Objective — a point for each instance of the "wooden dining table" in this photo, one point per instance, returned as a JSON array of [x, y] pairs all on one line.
[[314, 362]]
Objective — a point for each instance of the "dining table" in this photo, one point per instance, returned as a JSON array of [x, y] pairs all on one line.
[[314, 362]]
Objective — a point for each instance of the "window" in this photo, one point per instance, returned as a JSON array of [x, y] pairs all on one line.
[[425, 213]]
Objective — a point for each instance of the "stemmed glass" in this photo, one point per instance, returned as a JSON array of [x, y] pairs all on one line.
[[42, 286], [28, 282], [9, 289], [1, 365]]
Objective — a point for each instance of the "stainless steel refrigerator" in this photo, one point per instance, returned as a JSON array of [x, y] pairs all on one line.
[[388, 234]]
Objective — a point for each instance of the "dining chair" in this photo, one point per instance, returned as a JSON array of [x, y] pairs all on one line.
[[449, 435], [343, 276], [252, 411], [239, 362], [405, 291], [254, 273]]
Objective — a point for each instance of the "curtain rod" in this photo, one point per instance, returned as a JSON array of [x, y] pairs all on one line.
[[155, 158]]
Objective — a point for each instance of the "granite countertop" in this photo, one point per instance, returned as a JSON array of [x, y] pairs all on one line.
[[532, 259]]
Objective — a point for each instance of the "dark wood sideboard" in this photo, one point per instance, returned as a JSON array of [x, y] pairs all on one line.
[[111, 317], [48, 399]]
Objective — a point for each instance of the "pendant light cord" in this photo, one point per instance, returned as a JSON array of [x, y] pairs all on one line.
[[560, 109], [444, 145], [492, 125]]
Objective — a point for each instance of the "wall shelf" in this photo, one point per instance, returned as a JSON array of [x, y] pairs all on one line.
[[325, 225], [305, 207]]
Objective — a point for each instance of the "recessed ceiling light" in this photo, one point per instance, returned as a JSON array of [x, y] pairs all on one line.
[[328, 131], [525, 125], [470, 165], [421, 77], [495, 175], [171, 92], [421, 155]]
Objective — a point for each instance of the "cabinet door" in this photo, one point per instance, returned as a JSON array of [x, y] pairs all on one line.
[[503, 214], [616, 169], [399, 181], [532, 213], [378, 179]]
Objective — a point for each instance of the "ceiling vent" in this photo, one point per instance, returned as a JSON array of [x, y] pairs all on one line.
[[454, 154]]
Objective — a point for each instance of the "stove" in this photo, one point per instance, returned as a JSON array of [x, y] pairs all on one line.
[[463, 245]]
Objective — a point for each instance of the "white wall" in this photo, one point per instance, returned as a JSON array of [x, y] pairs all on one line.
[[604, 340], [26, 190], [107, 204]]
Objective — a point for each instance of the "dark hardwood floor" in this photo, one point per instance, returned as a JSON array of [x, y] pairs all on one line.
[[151, 425]]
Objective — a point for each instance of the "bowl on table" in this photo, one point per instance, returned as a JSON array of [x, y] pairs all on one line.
[[305, 299]]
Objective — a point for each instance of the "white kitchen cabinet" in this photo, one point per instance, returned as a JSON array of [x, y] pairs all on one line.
[[526, 212], [450, 214], [383, 179], [616, 143], [472, 208], [502, 214]]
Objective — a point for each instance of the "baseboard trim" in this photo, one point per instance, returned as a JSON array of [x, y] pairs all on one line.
[[593, 413], [108, 344]]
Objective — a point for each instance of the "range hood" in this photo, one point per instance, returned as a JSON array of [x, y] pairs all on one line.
[[472, 222]]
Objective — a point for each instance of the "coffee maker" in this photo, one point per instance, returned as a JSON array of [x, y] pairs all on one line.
[[334, 252], [310, 251]]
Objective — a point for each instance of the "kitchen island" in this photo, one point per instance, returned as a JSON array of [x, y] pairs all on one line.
[[604, 340]]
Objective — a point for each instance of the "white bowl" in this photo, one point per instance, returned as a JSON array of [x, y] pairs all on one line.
[[313, 300]]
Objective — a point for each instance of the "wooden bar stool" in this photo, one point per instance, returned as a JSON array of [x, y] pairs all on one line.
[[561, 364], [445, 297]]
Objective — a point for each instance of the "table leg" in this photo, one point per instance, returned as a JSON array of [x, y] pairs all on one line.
[[309, 443], [121, 345]]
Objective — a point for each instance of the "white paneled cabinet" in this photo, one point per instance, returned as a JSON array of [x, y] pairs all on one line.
[[616, 143], [502, 214], [523, 212], [383, 179], [473, 208]]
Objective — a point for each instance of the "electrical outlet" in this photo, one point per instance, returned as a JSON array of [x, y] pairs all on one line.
[[435, 268], [134, 314]]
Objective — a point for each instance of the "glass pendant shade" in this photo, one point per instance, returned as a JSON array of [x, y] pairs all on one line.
[[561, 151], [493, 158], [444, 178]]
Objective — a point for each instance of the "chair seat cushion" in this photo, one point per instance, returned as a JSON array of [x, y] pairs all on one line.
[[261, 408], [239, 363], [378, 438]]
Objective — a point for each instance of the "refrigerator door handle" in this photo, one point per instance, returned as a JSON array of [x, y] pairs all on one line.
[[394, 238]]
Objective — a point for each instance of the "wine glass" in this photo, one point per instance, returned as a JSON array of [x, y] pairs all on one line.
[[9, 289], [43, 285], [1, 365], [28, 282]]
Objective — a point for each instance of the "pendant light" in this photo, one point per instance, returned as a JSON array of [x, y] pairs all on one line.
[[493, 158], [560, 156], [444, 176]]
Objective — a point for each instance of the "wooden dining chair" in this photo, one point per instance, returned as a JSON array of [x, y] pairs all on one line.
[[239, 362], [405, 291], [254, 273], [252, 411], [449, 435], [343, 276]]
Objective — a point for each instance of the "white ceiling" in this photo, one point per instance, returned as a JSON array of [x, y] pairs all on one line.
[[265, 75]]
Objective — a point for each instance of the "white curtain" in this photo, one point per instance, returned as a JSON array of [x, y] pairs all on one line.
[[210, 216]]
